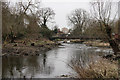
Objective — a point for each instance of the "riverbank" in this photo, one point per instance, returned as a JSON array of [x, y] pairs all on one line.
[[93, 43], [105, 45], [97, 43], [27, 47], [55, 62]]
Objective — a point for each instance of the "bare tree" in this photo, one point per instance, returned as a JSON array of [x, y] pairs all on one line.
[[46, 15], [15, 19], [93, 29], [5, 20], [78, 19], [28, 6], [27, 12], [102, 11]]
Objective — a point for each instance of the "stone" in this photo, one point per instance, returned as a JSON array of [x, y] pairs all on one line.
[[32, 44], [37, 54], [15, 44], [108, 56], [26, 54]]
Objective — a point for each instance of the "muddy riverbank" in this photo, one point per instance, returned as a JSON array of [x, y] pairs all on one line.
[[97, 43], [94, 43], [30, 48]]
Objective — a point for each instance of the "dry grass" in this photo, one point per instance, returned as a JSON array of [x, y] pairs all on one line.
[[97, 44], [99, 69]]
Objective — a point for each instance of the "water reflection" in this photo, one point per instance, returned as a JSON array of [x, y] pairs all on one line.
[[10, 64], [49, 64], [18, 67]]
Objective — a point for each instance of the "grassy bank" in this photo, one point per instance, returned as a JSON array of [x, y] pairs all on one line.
[[97, 43], [105, 67], [27, 47], [100, 69]]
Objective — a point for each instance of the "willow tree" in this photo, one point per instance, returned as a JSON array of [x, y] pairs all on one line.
[[103, 12]]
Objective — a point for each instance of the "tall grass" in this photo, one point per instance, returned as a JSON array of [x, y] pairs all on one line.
[[97, 69]]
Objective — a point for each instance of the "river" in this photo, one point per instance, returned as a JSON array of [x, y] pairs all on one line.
[[49, 64]]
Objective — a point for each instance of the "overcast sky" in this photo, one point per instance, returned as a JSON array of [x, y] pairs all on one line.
[[64, 7]]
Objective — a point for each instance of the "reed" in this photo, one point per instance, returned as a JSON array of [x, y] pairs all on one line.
[[97, 69]]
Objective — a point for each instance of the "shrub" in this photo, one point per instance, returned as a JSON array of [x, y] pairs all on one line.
[[47, 33], [99, 69]]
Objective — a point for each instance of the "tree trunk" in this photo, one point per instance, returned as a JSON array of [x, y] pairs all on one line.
[[114, 46], [111, 41]]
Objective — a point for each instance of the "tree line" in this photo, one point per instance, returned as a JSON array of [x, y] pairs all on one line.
[[100, 22], [23, 19]]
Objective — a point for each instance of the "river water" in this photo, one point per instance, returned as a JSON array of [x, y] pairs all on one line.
[[49, 64]]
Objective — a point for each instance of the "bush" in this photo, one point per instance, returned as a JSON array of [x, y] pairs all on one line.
[[20, 35], [47, 33]]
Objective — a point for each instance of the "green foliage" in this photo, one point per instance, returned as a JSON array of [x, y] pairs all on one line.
[[55, 31], [47, 33]]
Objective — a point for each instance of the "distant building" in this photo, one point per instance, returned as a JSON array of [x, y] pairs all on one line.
[[58, 30], [65, 30]]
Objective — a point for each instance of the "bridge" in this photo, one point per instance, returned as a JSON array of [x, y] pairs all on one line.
[[79, 37]]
